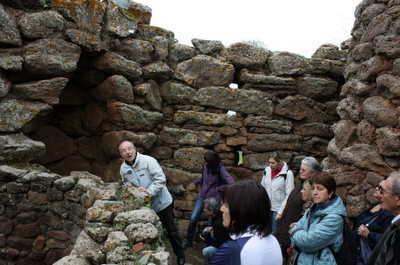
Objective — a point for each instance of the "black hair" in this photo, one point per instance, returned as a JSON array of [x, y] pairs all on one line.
[[213, 160], [249, 207]]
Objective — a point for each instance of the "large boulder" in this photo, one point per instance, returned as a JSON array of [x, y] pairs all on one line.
[[366, 157], [189, 137], [23, 116], [380, 112], [9, 33], [285, 63], [46, 91], [116, 64], [19, 148], [115, 87], [51, 57], [240, 100], [203, 70], [46, 24], [132, 117]]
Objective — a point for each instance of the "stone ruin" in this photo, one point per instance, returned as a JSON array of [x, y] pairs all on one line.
[[77, 77], [46, 213]]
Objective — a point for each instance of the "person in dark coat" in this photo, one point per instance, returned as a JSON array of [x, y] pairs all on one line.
[[294, 204], [387, 251], [371, 224], [216, 234]]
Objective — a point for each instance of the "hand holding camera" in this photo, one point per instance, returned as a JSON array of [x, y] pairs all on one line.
[[206, 233]]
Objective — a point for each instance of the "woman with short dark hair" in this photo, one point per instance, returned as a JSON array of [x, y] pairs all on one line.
[[246, 212], [321, 226]]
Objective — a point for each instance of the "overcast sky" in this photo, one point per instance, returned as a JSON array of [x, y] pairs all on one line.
[[288, 25]]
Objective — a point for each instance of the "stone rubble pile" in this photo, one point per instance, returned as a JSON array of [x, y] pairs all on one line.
[[77, 219]]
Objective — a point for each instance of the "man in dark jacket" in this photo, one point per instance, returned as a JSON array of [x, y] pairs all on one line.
[[216, 234], [294, 203], [387, 251]]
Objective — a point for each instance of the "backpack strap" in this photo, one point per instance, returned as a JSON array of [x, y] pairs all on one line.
[[234, 252], [330, 246], [235, 248]]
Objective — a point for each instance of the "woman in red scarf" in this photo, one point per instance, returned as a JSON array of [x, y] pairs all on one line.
[[278, 181]]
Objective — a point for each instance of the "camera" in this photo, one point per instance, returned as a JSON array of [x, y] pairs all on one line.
[[205, 234]]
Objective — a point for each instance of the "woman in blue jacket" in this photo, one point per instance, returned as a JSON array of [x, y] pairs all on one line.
[[213, 180], [321, 226]]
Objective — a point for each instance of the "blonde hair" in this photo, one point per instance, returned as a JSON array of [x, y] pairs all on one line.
[[307, 187]]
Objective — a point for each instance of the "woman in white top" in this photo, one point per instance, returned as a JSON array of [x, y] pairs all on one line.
[[278, 181], [246, 213]]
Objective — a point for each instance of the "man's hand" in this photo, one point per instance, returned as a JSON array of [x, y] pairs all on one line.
[[278, 217], [143, 190], [208, 228], [363, 231], [129, 185]]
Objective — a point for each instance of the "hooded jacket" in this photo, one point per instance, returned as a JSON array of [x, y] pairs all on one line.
[[210, 180], [147, 173], [314, 232], [279, 188]]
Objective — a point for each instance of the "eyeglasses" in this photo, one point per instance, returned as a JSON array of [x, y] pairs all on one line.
[[383, 191], [124, 151], [302, 169]]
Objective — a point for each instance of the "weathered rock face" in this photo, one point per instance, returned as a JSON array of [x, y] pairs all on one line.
[[78, 77], [367, 135], [45, 217]]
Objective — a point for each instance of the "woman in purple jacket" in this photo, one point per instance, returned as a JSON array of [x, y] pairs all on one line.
[[213, 180]]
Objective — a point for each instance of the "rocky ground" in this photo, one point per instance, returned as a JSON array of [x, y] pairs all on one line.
[[193, 255]]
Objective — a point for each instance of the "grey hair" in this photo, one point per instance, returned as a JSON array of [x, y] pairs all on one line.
[[212, 204], [311, 163], [396, 182], [125, 140]]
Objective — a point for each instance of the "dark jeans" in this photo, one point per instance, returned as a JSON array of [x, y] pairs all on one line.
[[167, 218], [196, 214]]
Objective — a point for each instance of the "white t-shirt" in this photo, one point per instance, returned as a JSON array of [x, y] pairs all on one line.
[[260, 251]]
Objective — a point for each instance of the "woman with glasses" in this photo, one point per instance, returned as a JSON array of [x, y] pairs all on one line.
[[278, 181], [370, 225], [322, 226], [309, 166]]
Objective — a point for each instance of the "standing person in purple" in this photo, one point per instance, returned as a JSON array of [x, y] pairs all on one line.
[[213, 180]]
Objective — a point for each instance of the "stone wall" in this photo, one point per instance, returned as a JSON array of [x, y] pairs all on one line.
[[44, 217], [76, 78], [365, 148]]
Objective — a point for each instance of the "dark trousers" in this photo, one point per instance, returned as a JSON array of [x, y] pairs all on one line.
[[167, 218]]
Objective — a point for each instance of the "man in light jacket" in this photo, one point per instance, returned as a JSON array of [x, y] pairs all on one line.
[[146, 173]]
